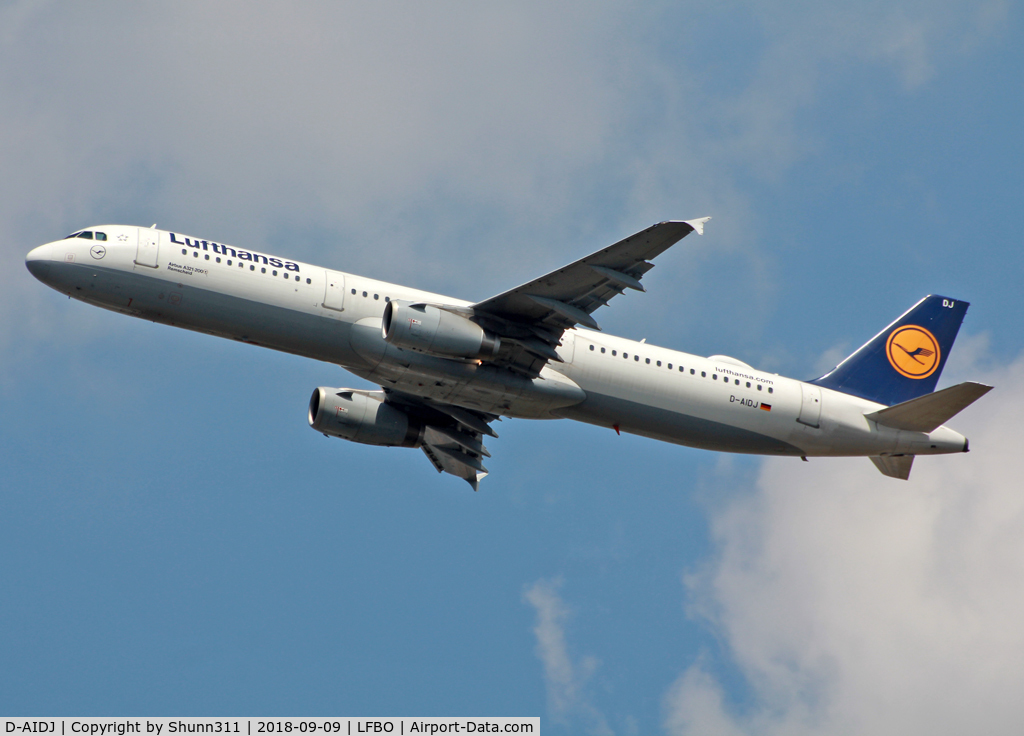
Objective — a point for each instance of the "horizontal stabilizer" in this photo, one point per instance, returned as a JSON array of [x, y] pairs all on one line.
[[895, 466], [929, 412]]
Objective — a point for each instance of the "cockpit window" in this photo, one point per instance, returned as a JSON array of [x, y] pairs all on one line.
[[72, 235], [85, 234], [101, 236]]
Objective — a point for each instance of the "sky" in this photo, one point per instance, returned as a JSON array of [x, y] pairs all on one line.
[[175, 540]]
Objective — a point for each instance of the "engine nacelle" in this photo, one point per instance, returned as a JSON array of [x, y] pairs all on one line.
[[362, 416], [428, 329]]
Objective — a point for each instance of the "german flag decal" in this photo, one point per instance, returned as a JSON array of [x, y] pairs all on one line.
[[766, 407]]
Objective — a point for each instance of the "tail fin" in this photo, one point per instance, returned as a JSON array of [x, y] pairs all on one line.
[[904, 360]]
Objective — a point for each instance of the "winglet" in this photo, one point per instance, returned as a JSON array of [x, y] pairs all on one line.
[[697, 224]]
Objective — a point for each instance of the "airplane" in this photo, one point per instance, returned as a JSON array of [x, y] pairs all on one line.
[[448, 368]]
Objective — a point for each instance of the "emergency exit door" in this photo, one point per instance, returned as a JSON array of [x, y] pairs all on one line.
[[334, 291]]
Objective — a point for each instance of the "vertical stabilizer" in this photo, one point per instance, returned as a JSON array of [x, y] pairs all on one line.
[[904, 360]]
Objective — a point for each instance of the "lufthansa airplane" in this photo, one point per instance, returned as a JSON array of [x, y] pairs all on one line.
[[448, 368]]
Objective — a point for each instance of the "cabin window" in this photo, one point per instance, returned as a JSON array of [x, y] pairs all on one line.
[[591, 348], [263, 270], [353, 292], [229, 261], [771, 390], [251, 268], [637, 358], [759, 387], [308, 281], [714, 377], [218, 259], [275, 273], [703, 374], [659, 363], [195, 254], [669, 366], [207, 256], [364, 293], [602, 350], [748, 384], [184, 252], [387, 298], [614, 352], [376, 296]]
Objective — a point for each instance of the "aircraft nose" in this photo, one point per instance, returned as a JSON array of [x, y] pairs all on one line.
[[38, 261]]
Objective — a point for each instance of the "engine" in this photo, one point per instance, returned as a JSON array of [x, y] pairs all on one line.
[[362, 416], [428, 329]]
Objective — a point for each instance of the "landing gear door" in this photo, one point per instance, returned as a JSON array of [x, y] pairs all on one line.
[[334, 291], [810, 405], [149, 248]]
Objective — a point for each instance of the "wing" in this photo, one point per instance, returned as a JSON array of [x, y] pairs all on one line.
[[530, 320], [533, 316], [452, 436]]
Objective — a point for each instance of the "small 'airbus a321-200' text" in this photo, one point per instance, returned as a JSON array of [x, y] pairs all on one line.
[[448, 368]]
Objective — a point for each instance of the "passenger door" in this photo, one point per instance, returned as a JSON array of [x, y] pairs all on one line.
[[149, 248]]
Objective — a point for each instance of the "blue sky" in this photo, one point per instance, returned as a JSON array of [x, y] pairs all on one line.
[[175, 540]]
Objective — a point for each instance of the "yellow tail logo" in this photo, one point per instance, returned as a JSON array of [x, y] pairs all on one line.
[[913, 351]]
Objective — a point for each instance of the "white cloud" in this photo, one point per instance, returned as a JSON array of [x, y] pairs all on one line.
[[566, 681], [853, 603], [349, 135], [416, 142]]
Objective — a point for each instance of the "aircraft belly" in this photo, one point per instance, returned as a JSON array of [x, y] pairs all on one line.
[[673, 426], [482, 387], [212, 312], [684, 409], [467, 383]]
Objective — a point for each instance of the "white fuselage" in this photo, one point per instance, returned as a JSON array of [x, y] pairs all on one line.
[[715, 403]]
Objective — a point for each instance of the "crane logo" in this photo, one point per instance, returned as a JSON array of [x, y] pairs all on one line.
[[913, 351]]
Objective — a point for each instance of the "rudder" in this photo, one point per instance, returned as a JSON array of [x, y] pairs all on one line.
[[904, 360]]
